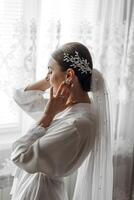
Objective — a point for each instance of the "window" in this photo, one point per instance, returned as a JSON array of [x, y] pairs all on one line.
[[61, 22], [11, 12], [57, 25]]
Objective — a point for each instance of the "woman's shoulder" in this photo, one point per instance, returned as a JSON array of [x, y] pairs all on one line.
[[86, 122], [83, 122], [83, 115]]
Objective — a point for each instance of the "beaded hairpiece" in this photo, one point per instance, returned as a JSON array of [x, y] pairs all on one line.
[[78, 62]]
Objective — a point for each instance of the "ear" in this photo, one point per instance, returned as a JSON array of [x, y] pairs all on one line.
[[70, 74]]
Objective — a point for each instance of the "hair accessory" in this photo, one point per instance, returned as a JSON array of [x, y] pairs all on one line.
[[78, 62]]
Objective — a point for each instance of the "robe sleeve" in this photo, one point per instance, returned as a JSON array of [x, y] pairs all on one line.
[[31, 101], [54, 154]]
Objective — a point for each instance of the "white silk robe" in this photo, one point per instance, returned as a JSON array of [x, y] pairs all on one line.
[[46, 156]]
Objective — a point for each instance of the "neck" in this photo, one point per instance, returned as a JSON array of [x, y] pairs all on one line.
[[79, 97]]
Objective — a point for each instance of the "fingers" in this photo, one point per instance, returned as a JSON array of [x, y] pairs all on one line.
[[51, 92], [67, 90], [70, 104], [60, 89], [64, 88]]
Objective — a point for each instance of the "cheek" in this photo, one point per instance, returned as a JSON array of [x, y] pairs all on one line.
[[56, 79], [53, 79]]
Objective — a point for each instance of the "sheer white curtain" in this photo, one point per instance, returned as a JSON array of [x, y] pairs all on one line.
[[18, 38], [115, 58], [107, 28]]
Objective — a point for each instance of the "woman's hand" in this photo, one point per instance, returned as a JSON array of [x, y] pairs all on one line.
[[42, 84], [56, 103]]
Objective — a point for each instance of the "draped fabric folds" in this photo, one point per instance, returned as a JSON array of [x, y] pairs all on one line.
[[107, 29]]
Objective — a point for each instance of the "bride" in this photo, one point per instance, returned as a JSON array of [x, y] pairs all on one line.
[[71, 135]]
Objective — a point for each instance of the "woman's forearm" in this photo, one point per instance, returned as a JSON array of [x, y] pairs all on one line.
[[46, 120], [39, 85]]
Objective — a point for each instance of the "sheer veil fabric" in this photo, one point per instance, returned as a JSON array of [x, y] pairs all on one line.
[[95, 176]]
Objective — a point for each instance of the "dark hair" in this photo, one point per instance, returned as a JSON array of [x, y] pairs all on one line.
[[71, 48]]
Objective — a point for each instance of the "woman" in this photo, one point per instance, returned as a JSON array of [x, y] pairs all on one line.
[[71, 135]]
